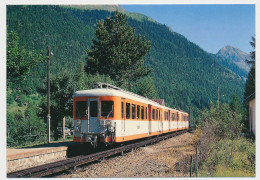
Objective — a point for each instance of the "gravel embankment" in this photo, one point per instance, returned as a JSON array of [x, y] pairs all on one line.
[[156, 160]]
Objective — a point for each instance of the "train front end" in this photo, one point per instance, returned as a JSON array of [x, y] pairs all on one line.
[[93, 115]]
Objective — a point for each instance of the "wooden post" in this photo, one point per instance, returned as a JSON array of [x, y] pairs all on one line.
[[197, 161], [191, 163], [63, 127]]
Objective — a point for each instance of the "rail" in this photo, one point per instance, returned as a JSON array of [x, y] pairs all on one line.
[[51, 168]]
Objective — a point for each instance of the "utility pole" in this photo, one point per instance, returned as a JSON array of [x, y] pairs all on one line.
[[48, 94], [218, 98]]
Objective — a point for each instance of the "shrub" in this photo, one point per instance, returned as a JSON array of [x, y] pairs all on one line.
[[222, 151]]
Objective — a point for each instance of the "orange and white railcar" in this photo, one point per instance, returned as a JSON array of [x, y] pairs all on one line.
[[111, 115]]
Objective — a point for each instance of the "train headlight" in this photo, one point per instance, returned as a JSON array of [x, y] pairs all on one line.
[[78, 122], [108, 122]]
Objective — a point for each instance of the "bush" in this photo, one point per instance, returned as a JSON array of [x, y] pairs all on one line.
[[224, 122], [222, 151], [229, 156]]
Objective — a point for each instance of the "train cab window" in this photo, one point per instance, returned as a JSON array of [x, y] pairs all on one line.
[[122, 110], [81, 109], [153, 114], [138, 112], [107, 109], [127, 110], [142, 112], [133, 111]]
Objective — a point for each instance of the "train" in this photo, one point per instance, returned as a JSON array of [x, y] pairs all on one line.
[[107, 114]]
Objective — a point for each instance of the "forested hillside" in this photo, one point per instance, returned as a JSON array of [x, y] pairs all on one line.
[[183, 73]]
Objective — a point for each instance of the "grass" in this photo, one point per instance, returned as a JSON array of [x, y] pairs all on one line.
[[35, 143], [230, 158]]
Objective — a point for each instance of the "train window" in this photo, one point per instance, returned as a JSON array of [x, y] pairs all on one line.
[[133, 111], [159, 115], [93, 108], [156, 114], [138, 112], [165, 116], [81, 109], [107, 109], [127, 110], [142, 112], [153, 114], [122, 110], [146, 113]]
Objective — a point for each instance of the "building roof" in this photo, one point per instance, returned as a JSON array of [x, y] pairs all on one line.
[[160, 101]]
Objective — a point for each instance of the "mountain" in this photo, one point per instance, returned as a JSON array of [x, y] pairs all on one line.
[[234, 59], [184, 74]]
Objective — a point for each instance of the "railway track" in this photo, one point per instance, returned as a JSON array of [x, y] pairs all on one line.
[[52, 168]]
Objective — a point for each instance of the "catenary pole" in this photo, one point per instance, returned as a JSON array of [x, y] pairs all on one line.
[[48, 94]]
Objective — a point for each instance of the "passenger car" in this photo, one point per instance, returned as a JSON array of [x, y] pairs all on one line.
[[108, 114]]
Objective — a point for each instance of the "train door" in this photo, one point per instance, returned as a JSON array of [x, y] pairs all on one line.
[[160, 121], [93, 123], [123, 116], [149, 119]]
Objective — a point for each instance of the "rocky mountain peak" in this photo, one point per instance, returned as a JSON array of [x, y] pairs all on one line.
[[234, 53]]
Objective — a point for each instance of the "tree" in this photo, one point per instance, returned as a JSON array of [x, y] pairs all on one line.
[[250, 83], [252, 54], [146, 88], [63, 85], [222, 121], [235, 104], [19, 60], [118, 52]]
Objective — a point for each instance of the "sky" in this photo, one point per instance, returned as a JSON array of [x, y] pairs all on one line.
[[209, 26]]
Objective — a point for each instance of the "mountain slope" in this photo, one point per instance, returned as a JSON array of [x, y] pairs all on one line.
[[184, 74], [234, 59]]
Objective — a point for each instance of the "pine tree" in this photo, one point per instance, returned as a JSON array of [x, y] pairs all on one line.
[[147, 88], [250, 83], [235, 104], [118, 52]]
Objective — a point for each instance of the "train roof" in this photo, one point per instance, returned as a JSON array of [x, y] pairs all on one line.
[[120, 93], [104, 89]]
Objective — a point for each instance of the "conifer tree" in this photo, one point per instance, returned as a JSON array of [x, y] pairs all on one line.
[[235, 104], [117, 51], [250, 83]]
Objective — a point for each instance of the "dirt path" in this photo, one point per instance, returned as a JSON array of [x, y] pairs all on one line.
[[156, 160]]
